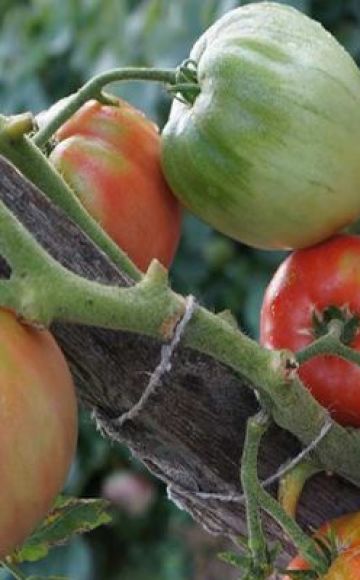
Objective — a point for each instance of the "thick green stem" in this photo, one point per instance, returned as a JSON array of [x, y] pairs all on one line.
[[92, 89], [256, 427], [34, 165], [40, 289], [248, 474]]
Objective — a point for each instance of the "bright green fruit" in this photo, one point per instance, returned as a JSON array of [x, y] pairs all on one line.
[[269, 151]]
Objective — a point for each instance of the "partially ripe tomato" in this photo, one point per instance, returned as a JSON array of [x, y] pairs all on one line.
[[110, 156], [267, 152], [311, 287], [38, 427], [346, 566]]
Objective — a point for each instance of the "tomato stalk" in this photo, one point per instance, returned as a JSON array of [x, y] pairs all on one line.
[[248, 473], [42, 290], [292, 484], [329, 344], [180, 81], [257, 497], [16, 146]]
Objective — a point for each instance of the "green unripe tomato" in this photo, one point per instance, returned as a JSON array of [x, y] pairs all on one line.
[[268, 152]]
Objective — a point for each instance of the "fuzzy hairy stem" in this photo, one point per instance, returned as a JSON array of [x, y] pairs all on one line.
[[41, 289], [200, 446], [248, 475], [257, 497]]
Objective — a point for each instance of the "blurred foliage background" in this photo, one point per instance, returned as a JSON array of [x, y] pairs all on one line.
[[48, 48]]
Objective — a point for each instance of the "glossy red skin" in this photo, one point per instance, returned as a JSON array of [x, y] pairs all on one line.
[[347, 565], [38, 428], [315, 278], [110, 155]]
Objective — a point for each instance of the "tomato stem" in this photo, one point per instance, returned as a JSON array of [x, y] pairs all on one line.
[[42, 290], [292, 484], [258, 497], [256, 427], [93, 89], [329, 344], [34, 165]]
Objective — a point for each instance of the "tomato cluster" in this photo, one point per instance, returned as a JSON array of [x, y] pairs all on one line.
[[266, 153]]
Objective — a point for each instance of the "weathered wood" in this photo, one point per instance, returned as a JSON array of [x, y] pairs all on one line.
[[191, 432]]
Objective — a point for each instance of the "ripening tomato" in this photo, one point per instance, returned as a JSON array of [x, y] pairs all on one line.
[[110, 156], [38, 427], [264, 147], [311, 287], [346, 566]]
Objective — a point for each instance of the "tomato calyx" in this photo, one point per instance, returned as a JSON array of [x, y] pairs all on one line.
[[346, 323], [330, 547], [186, 87]]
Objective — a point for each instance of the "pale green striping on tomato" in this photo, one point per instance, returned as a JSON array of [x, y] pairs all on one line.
[[268, 153]]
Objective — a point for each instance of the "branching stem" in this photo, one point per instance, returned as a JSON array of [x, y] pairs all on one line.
[[257, 497], [329, 344], [92, 90]]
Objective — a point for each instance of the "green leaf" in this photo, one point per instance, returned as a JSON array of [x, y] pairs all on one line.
[[69, 516]]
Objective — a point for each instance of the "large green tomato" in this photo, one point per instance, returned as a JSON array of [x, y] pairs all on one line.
[[268, 151]]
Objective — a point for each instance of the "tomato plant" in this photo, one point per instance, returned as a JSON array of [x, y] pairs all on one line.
[[38, 427], [345, 532], [110, 156], [266, 152], [311, 288]]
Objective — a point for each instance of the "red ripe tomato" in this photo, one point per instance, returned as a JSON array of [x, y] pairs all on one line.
[[110, 156], [38, 427], [346, 566], [296, 310]]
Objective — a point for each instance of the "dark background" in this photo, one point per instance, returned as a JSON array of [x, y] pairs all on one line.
[[48, 48]]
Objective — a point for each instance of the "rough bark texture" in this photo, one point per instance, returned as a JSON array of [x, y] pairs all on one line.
[[191, 432]]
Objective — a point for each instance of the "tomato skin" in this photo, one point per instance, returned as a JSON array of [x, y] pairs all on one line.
[[346, 565], [270, 143], [314, 279], [110, 156], [38, 427]]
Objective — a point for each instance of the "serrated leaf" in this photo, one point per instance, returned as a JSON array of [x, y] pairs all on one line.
[[69, 516]]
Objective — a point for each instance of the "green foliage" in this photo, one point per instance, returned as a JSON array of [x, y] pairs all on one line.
[[68, 517], [47, 49]]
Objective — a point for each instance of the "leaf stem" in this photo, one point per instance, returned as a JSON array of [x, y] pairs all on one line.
[[93, 88]]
